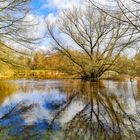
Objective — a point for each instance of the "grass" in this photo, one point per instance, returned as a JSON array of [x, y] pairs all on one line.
[[42, 74], [54, 74]]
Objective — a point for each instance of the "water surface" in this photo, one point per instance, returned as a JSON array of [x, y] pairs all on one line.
[[69, 110]]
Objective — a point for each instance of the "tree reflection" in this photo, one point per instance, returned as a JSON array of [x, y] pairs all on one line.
[[6, 90], [102, 110], [9, 88], [104, 115]]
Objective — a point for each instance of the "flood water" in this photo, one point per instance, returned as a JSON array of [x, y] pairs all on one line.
[[69, 110]]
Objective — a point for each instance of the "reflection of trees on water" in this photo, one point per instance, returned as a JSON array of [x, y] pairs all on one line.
[[16, 128], [107, 110], [9, 88], [104, 115], [6, 89], [138, 88]]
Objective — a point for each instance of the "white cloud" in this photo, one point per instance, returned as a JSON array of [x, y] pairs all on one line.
[[33, 27], [62, 4], [37, 22], [36, 26], [51, 18]]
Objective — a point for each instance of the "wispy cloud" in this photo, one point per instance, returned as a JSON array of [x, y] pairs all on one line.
[[61, 4]]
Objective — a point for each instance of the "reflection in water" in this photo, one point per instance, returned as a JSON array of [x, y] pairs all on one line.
[[6, 89], [71, 110], [105, 115]]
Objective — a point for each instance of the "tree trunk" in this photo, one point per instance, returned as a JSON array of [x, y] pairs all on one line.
[[93, 76]]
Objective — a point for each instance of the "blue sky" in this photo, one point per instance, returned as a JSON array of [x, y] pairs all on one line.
[[44, 7], [37, 6], [48, 9]]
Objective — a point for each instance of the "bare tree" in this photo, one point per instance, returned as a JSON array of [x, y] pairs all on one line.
[[13, 27], [91, 39], [130, 10], [12, 13]]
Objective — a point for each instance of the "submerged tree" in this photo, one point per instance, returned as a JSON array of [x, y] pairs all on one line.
[[90, 39]]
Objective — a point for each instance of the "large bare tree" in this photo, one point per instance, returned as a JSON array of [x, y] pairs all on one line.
[[91, 39]]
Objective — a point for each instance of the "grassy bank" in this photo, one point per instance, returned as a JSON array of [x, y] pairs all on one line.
[[41, 74], [54, 74]]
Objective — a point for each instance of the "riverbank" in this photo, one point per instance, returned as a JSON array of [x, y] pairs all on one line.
[[42, 74], [54, 74]]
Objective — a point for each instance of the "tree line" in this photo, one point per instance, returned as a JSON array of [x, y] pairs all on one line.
[[124, 65]]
